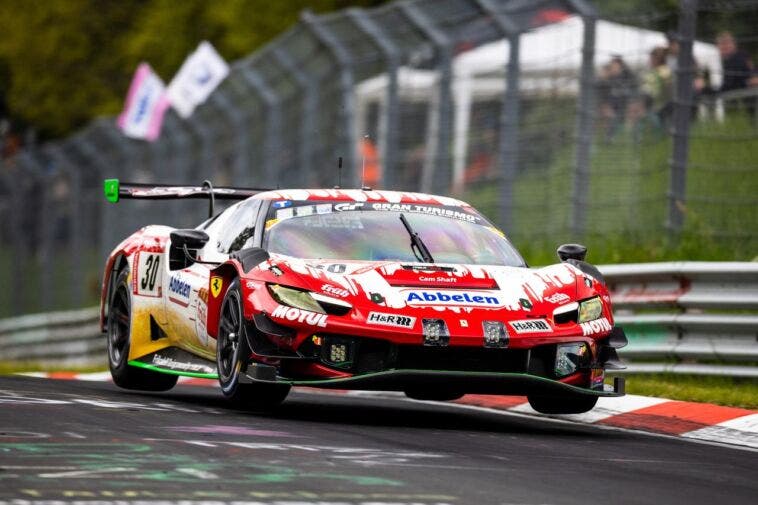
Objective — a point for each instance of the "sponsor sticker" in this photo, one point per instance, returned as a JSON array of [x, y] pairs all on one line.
[[439, 279], [146, 281], [597, 326], [216, 284], [426, 209], [180, 289], [300, 316], [391, 320], [558, 298], [281, 204], [283, 214], [333, 290], [460, 298], [530, 326], [324, 208], [342, 207]]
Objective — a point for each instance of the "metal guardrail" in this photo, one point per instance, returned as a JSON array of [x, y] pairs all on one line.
[[675, 315], [54, 339], [688, 315]]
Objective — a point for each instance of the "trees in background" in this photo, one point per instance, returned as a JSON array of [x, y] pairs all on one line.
[[64, 62]]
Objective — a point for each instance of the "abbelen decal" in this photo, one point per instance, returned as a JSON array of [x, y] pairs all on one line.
[[452, 298], [530, 326], [299, 315], [391, 320], [181, 288], [597, 326]]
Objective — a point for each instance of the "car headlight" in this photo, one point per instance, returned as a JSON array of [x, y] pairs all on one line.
[[306, 300], [589, 310]]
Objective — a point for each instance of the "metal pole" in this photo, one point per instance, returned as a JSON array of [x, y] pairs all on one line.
[[241, 155], [347, 143], [508, 141], [436, 175], [271, 155], [76, 282], [388, 123], [682, 115], [307, 124], [584, 127]]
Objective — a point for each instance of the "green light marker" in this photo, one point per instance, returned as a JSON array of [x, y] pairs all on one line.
[[110, 186]]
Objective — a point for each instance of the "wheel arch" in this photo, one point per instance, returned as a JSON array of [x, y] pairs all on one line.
[[116, 262], [227, 272]]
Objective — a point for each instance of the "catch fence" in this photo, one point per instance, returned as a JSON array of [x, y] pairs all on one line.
[[509, 104]]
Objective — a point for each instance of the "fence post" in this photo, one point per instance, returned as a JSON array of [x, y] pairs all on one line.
[[271, 155], [307, 124], [241, 154], [508, 141], [16, 189], [388, 121], [348, 145], [32, 162], [76, 279], [436, 174], [682, 115], [584, 120]]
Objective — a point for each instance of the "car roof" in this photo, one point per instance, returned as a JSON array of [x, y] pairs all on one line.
[[360, 195]]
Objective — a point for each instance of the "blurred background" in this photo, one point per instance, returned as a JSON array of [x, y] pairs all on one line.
[[628, 125]]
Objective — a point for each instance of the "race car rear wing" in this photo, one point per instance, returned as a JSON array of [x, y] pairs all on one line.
[[116, 190]]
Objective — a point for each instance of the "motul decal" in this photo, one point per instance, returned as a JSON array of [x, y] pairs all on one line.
[[597, 326], [301, 316], [391, 320], [530, 326]]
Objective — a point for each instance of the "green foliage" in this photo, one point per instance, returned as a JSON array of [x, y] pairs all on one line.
[[730, 391], [628, 205], [71, 60]]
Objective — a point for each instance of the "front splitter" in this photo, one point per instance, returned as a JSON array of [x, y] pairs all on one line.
[[486, 383]]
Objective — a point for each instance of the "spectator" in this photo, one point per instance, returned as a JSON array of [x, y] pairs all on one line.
[[616, 89], [657, 88], [737, 65]]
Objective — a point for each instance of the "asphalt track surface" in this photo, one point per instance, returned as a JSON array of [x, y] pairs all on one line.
[[90, 443]]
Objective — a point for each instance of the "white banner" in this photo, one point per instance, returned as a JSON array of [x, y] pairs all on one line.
[[145, 105], [201, 72]]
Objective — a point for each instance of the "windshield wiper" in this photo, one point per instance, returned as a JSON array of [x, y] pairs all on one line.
[[417, 245]]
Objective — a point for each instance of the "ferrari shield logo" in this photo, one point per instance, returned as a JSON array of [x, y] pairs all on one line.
[[216, 285]]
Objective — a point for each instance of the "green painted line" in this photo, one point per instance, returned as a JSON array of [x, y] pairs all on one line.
[[154, 368]]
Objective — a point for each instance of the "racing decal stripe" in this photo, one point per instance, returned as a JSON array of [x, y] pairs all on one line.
[[179, 302]]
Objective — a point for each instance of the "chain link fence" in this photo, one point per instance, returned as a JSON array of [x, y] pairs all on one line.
[[537, 111]]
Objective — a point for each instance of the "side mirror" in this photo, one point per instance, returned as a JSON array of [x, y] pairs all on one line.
[[184, 247], [572, 252]]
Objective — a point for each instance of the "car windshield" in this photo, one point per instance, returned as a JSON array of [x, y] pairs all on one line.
[[342, 231]]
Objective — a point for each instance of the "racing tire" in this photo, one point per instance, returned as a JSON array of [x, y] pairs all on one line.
[[434, 396], [567, 404], [231, 352], [118, 331]]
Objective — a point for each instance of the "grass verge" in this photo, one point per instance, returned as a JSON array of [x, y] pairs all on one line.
[[729, 391]]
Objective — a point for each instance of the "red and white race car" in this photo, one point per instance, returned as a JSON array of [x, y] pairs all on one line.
[[353, 289]]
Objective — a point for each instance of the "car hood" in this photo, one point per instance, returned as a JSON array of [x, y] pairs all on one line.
[[401, 285]]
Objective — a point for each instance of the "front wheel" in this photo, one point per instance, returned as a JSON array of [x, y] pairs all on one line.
[[568, 404], [232, 351], [119, 343]]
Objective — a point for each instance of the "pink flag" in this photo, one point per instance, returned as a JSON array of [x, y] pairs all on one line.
[[146, 103]]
